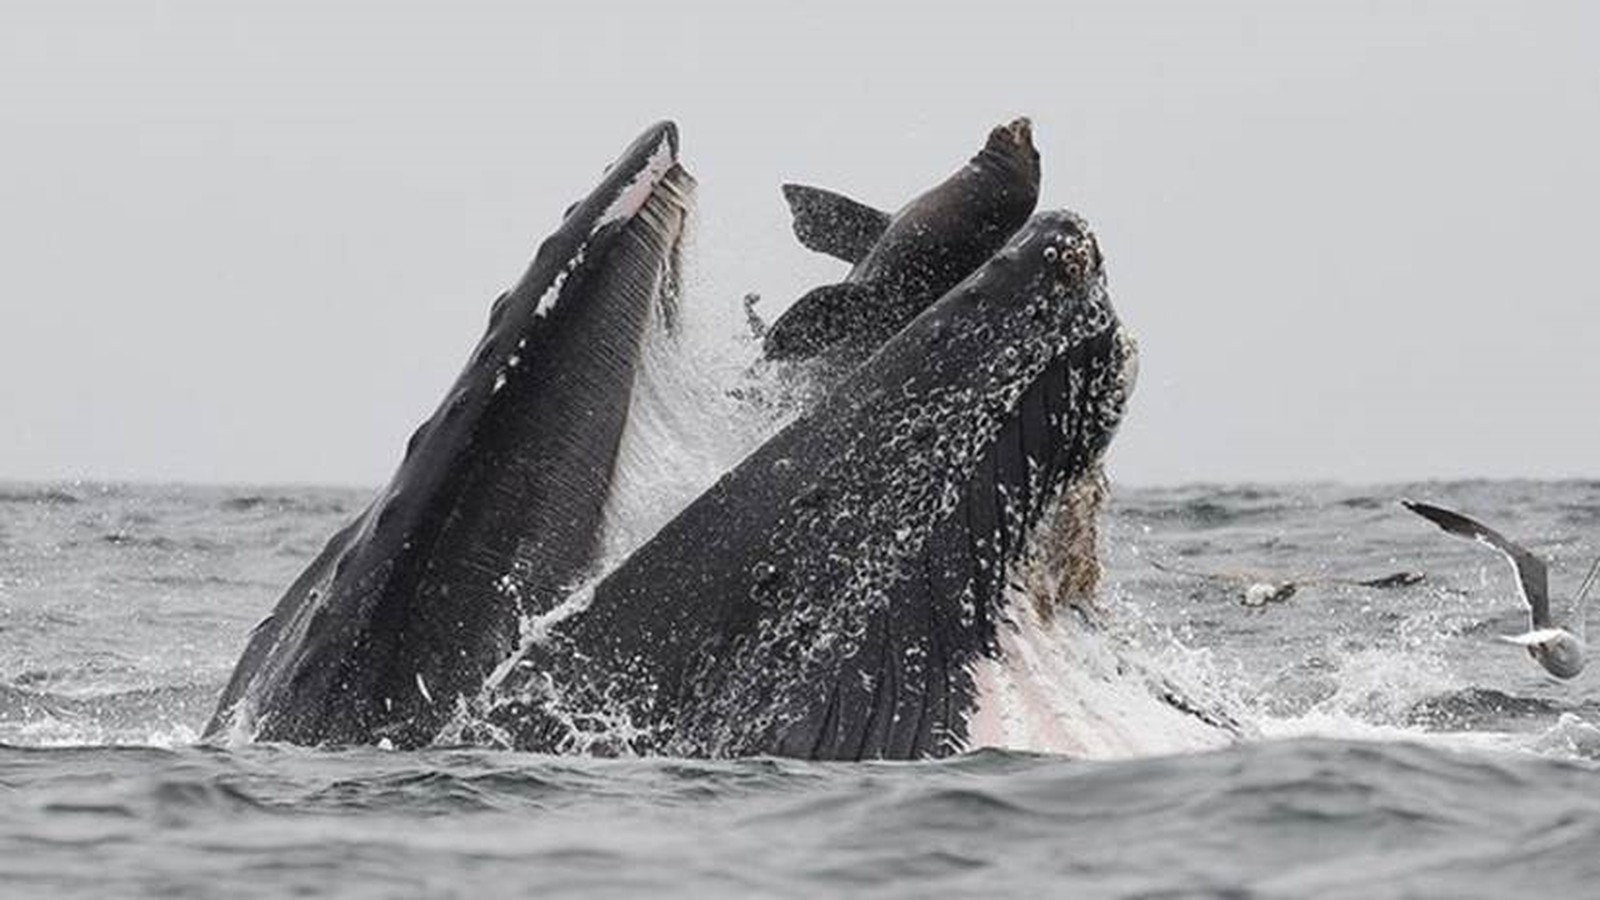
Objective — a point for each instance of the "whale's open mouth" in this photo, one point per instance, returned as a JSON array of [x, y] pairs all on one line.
[[833, 596], [836, 587]]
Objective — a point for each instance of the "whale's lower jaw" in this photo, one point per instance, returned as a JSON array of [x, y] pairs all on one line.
[[1057, 680], [498, 502], [1066, 685]]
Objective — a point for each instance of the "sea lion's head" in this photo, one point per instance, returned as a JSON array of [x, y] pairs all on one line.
[[1013, 141]]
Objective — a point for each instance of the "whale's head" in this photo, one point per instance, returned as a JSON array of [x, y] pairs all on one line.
[[1051, 365], [830, 596], [930, 473]]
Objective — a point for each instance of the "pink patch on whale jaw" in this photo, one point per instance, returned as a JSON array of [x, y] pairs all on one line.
[[633, 195]]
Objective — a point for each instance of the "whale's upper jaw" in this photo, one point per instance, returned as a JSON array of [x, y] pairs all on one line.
[[631, 180], [610, 270], [649, 169]]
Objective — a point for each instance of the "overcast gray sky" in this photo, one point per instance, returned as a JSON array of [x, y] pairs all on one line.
[[255, 243]]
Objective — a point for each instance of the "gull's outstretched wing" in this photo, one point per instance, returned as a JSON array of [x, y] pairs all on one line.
[[1532, 577]]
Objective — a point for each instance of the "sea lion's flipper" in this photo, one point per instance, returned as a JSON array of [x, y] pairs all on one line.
[[834, 224], [824, 317]]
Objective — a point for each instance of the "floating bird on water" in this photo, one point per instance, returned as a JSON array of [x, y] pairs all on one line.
[[1256, 590], [1560, 651]]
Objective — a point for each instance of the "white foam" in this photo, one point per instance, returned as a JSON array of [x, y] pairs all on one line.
[[1382, 684], [1571, 736], [534, 630], [51, 731]]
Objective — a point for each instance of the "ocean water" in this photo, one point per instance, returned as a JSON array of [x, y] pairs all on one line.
[[1394, 748]]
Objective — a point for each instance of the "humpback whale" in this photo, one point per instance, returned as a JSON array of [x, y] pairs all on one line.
[[833, 596], [904, 262], [496, 508]]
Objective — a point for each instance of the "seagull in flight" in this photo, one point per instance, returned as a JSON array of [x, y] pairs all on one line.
[[1561, 652]]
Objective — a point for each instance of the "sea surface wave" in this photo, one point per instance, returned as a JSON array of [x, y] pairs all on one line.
[[1396, 748]]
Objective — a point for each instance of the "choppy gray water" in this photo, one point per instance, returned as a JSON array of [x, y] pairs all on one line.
[[1404, 752]]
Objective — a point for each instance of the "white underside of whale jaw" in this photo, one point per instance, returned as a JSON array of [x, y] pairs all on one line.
[[1067, 686]]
